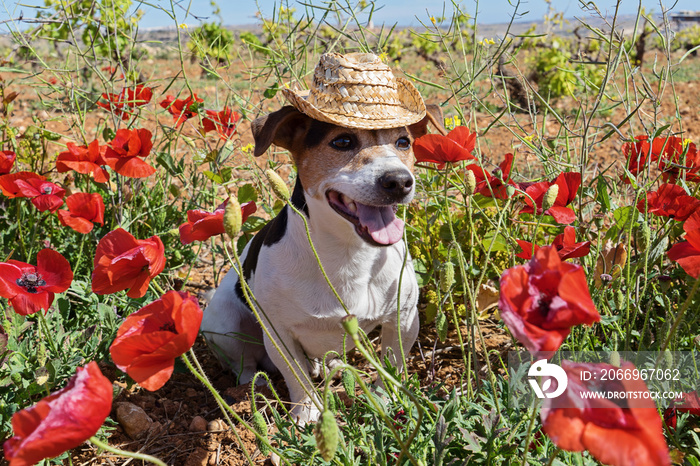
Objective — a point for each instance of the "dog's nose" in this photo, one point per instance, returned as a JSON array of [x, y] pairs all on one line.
[[396, 183]]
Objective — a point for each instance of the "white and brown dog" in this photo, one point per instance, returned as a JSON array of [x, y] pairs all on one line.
[[350, 138]]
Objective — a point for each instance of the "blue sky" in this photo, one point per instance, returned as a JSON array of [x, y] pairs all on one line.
[[403, 12]]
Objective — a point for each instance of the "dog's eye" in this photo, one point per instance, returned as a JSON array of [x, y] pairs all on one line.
[[342, 143], [403, 143]]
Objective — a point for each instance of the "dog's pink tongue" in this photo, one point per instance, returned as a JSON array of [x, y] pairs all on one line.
[[381, 223]]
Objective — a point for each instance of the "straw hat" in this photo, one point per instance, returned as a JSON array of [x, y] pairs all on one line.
[[357, 90]]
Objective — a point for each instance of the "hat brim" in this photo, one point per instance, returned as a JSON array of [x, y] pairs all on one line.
[[367, 116]]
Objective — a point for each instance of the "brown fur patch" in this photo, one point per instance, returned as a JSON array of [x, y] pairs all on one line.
[[323, 160]]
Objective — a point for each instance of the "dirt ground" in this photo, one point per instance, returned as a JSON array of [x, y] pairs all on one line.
[[184, 425]]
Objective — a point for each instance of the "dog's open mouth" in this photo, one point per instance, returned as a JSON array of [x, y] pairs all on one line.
[[377, 225]]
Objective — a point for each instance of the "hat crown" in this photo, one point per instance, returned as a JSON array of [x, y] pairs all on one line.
[[359, 90]]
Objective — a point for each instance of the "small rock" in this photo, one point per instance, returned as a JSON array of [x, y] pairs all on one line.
[[198, 424], [133, 419], [191, 393], [199, 457], [170, 407], [212, 443], [216, 425]]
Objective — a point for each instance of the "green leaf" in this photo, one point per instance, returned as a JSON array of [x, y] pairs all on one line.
[[499, 242], [108, 133], [624, 216], [225, 174], [253, 223], [431, 310], [211, 156], [271, 91], [166, 161], [212, 176], [603, 196], [247, 193], [441, 326]]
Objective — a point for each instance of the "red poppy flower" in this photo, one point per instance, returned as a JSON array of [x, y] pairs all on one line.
[[31, 288], [8, 183], [151, 338], [123, 153], [43, 194], [687, 403], [493, 184], [625, 434], [124, 262], [436, 148], [541, 300], [128, 97], [565, 244], [84, 159], [670, 153], [224, 122], [568, 187], [61, 421], [7, 160], [637, 153], [182, 109], [687, 253], [203, 225], [671, 201], [83, 210]]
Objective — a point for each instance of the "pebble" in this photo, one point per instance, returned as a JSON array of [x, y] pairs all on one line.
[[191, 393], [198, 424], [133, 420], [199, 457], [216, 425]]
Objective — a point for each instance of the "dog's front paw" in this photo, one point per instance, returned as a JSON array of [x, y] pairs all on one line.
[[305, 412]]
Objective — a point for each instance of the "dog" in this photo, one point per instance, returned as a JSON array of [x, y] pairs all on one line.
[[353, 170]]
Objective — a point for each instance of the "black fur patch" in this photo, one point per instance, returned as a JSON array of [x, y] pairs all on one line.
[[317, 133], [270, 234]]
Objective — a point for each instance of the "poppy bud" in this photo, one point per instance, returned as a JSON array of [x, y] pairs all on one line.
[[348, 381], [278, 186], [332, 405], [326, 433], [441, 326], [447, 277], [620, 299], [470, 182], [615, 359], [510, 190], [668, 359], [350, 324], [260, 427], [643, 237], [233, 219], [550, 197]]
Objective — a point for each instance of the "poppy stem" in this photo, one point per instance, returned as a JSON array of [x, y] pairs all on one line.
[[679, 318], [387, 376], [47, 334], [158, 287], [554, 455], [225, 408], [529, 432], [127, 454]]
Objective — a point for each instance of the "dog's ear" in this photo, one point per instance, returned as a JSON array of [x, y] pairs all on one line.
[[279, 128], [433, 114]]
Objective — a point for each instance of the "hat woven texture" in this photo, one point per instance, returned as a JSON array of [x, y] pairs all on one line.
[[357, 90]]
